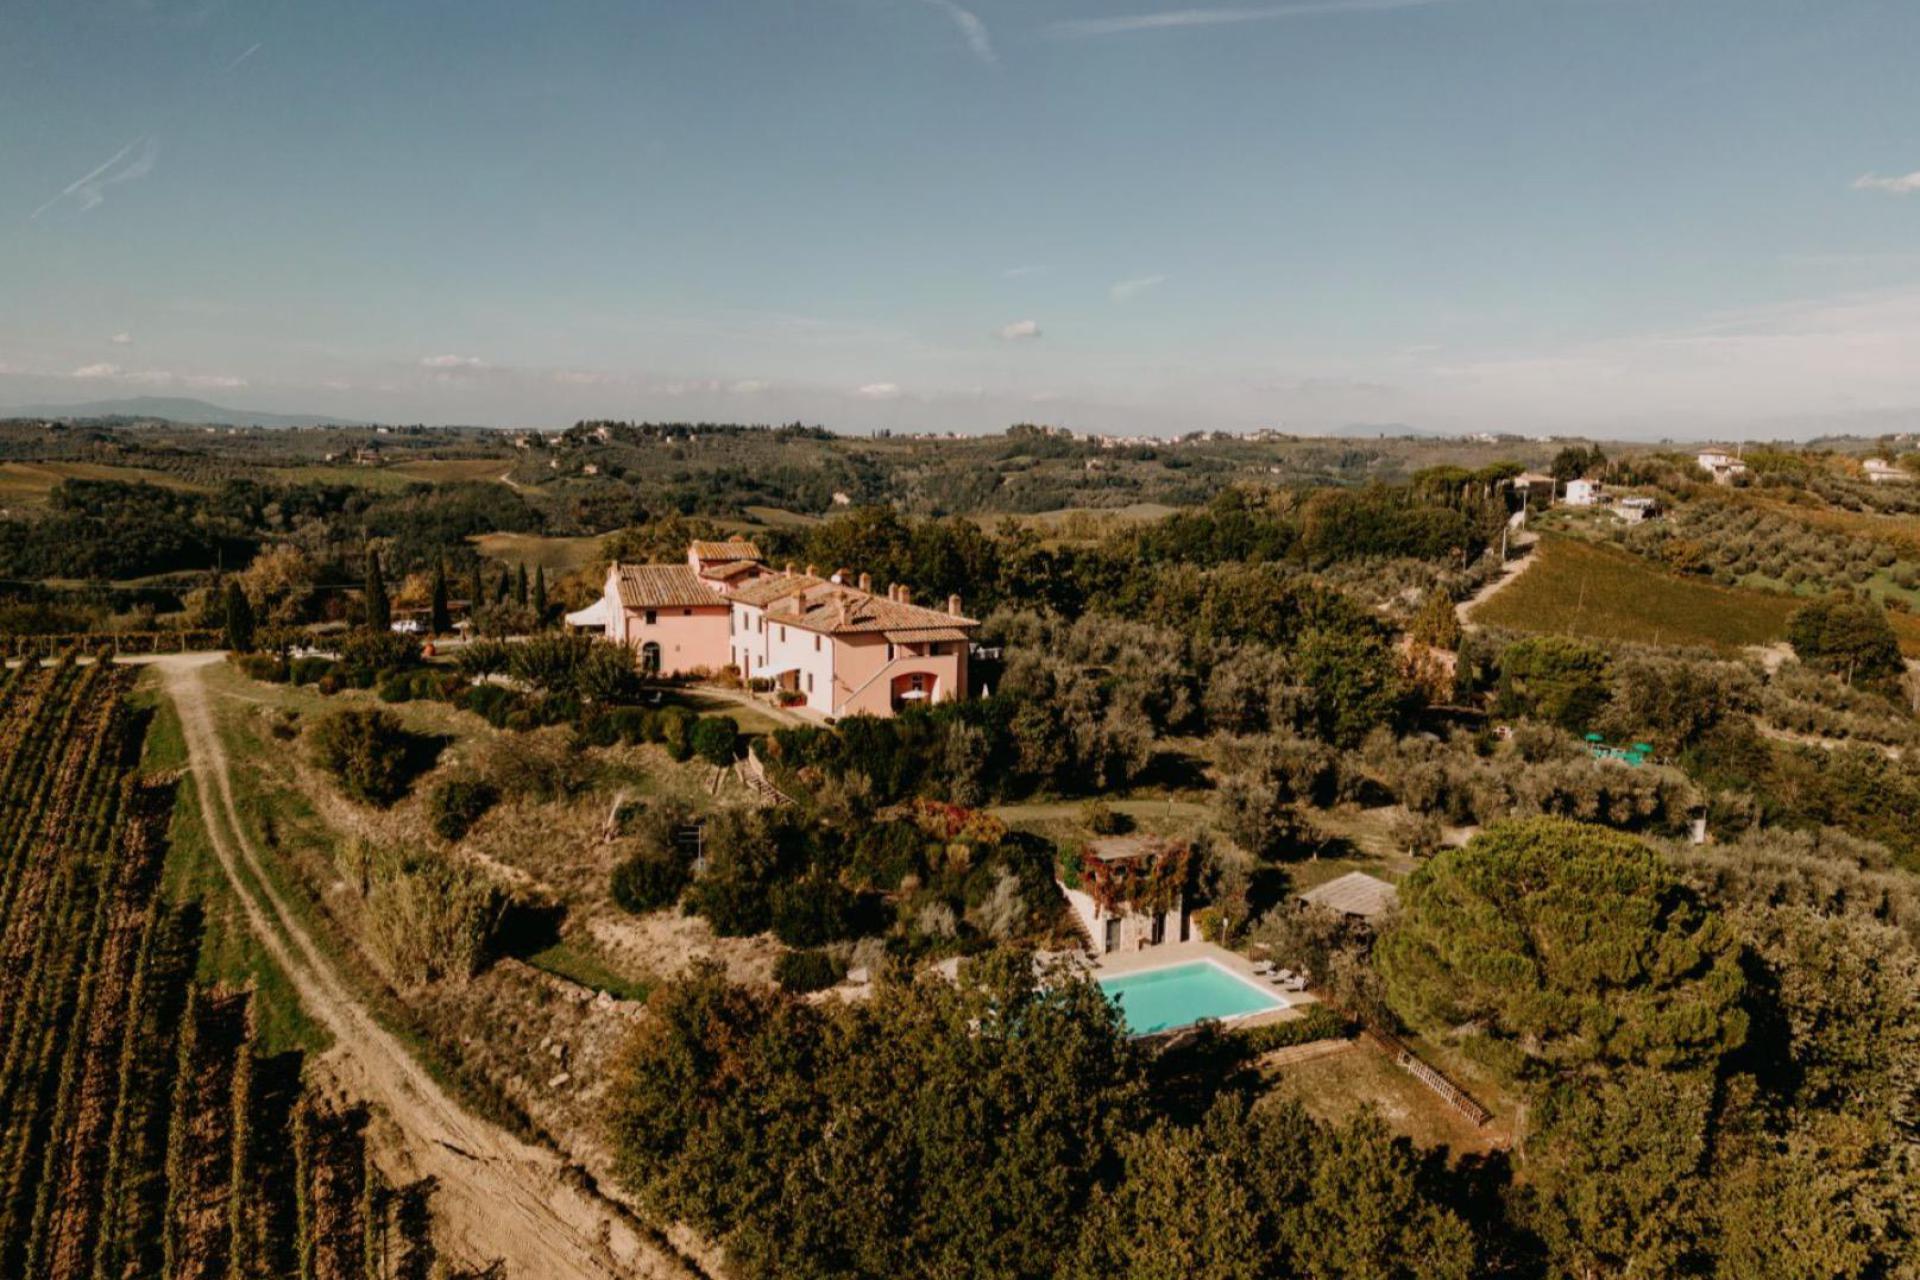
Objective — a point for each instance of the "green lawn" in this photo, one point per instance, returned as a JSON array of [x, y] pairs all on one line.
[[1602, 594]]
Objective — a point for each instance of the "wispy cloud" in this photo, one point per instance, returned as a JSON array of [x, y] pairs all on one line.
[[1077, 28], [1901, 186], [974, 31], [128, 164], [121, 339], [104, 372], [1020, 331], [1127, 290], [253, 49], [879, 391], [1016, 273], [452, 362]]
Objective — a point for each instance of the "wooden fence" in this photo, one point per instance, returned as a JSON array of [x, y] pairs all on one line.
[[118, 642], [1432, 1077]]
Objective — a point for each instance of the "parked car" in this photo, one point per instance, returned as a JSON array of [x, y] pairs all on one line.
[[410, 627]]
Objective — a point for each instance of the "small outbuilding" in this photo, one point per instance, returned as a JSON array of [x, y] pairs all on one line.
[[1356, 895], [1129, 892], [1535, 489]]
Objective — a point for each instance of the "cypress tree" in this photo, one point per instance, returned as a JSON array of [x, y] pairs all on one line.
[[504, 591], [442, 621], [239, 619], [379, 608], [520, 584], [476, 592], [540, 594]]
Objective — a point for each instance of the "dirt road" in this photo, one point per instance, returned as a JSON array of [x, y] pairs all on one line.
[[1509, 574], [498, 1197]]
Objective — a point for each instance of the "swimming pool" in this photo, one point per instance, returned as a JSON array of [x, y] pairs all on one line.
[[1180, 995]]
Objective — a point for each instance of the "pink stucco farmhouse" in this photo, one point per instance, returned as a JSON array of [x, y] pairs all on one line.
[[843, 648]]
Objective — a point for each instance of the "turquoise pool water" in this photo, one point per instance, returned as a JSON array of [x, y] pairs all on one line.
[[1182, 994]]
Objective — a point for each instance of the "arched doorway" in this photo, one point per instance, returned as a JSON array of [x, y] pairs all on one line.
[[650, 658], [914, 689]]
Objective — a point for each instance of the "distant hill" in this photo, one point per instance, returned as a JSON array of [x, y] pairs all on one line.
[[176, 409]]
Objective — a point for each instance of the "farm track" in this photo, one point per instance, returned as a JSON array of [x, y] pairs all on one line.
[[496, 1195], [1509, 574]]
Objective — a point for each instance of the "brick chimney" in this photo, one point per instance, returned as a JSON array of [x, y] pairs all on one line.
[[953, 604], [866, 583], [790, 567], [906, 594], [813, 571]]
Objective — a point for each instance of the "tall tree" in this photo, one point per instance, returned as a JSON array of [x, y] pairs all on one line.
[[379, 607], [1570, 945], [239, 618], [1849, 638], [442, 619], [520, 583], [540, 595], [476, 590]]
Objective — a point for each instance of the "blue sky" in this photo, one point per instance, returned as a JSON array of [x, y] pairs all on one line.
[[1629, 217]]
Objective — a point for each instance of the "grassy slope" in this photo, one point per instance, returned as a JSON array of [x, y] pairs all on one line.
[[555, 555], [31, 482], [228, 951], [1581, 589]]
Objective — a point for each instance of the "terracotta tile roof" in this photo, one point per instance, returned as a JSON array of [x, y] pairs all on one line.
[[731, 549], [664, 586], [917, 635], [774, 587], [732, 569], [802, 600]]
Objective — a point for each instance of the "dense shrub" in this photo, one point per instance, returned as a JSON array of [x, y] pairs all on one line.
[[270, 668], [676, 732], [365, 654], [812, 911], [800, 972], [715, 739], [309, 670], [455, 804], [406, 686], [482, 658], [1320, 1023], [368, 752], [651, 880], [491, 702], [545, 764]]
